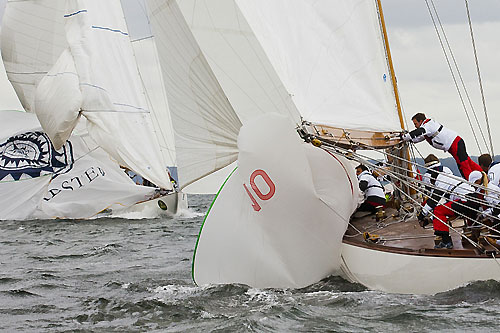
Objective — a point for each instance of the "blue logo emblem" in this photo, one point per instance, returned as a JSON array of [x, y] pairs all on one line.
[[31, 154]]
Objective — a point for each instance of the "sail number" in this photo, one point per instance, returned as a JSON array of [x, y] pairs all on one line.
[[257, 191]]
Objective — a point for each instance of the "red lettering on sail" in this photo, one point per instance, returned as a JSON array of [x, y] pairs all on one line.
[[255, 204], [258, 192], [268, 181]]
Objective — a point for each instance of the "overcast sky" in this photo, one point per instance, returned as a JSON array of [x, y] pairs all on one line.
[[424, 80]]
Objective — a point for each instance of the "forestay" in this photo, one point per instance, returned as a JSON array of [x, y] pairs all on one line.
[[205, 124], [276, 226], [95, 34]]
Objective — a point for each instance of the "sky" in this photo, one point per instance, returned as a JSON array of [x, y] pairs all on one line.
[[424, 79]]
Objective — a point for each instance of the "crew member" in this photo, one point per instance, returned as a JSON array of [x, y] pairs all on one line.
[[491, 168], [373, 191], [436, 183], [442, 138], [466, 206]]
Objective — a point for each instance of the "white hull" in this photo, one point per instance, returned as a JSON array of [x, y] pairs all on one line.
[[173, 201], [414, 273]]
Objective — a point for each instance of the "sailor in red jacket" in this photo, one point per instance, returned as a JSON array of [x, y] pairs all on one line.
[[442, 138]]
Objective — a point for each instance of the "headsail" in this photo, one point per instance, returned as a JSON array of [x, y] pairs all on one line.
[[205, 124]]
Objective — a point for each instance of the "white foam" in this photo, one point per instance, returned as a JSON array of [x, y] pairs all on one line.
[[174, 293], [188, 213]]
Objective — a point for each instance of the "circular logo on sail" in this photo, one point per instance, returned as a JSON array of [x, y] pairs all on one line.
[[31, 155]]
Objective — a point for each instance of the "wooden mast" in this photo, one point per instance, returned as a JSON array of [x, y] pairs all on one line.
[[406, 152], [391, 67]]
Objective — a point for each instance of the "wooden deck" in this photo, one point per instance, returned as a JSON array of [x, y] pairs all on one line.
[[404, 235]]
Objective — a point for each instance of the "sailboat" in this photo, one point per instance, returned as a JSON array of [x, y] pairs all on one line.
[[292, 90], [73, 65]]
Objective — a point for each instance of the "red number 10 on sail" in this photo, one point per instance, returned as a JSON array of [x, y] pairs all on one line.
[[258, 192]]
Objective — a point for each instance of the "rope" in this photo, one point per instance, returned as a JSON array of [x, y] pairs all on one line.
[[496, 260], [412, 180], [410, 184], [479, 77]]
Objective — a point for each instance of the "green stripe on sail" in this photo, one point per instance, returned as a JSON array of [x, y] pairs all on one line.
[[206, 215]]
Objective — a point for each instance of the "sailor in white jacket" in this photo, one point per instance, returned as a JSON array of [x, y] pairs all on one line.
[[374, 195], [437, 183], [491, 168], [442, 138]]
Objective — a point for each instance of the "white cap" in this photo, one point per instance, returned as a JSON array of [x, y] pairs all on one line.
[[475, 175]]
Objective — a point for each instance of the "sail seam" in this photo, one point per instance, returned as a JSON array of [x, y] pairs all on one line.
[[109, 29], [76, 13]]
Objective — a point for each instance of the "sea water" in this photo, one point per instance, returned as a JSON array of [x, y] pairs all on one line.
[[134, 275]]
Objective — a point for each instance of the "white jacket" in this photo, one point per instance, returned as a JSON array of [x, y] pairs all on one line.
[[440, 183], [459, 188], [494, 174], [373, 188], [439, 136]]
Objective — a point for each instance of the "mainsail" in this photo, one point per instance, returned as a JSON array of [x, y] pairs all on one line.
[[86, 40], [327, 57]]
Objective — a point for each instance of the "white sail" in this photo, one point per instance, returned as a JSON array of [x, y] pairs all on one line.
[[18, 198], [237, 59], [33, 38], [38, 181], [152, 80], [58, 99], [205, 124], [113, 98], [94, 184], [275, 226], [329, 58]]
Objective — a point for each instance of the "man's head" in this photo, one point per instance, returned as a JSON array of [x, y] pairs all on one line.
[[485, 162], [418, 119], [360, 168], [431, 160]]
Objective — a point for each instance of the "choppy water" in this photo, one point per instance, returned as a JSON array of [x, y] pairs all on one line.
[[117, 275]]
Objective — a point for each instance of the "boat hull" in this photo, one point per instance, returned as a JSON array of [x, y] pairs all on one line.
[[173, 203], [414, 273]]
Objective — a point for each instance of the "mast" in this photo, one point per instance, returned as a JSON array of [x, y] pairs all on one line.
[[391, 67], [405, 152]]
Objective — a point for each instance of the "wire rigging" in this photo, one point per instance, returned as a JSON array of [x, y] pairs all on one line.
[[450, 67], [479, 77]]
